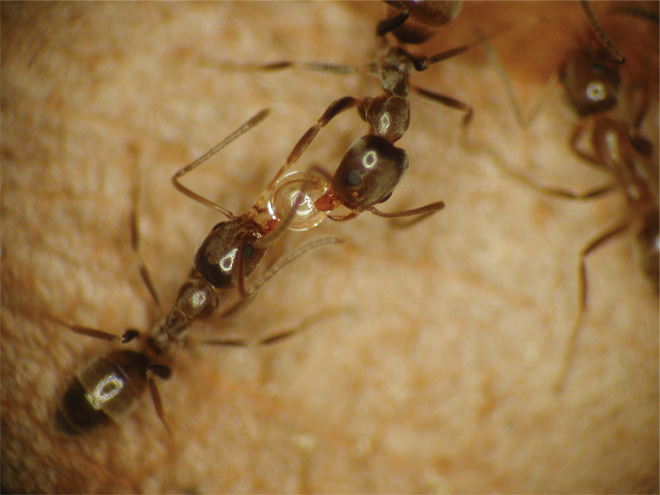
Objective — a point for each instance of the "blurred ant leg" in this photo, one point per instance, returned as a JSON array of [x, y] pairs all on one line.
[[124, 338], [334, 109], [559, 192], [589, 158], [636, 12], [277, 266], [588, 249], [191, 166], [135, 239], [508, 88], [389, 25], [274, 337], [449, 102], [619, 59], [283, 65], [164, 373]]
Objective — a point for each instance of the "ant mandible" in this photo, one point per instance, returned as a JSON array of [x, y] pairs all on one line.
[[108, 388]]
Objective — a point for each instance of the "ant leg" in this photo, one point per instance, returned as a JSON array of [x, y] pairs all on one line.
[[389, 25], [422, 210], [589, 158], [508, 88], [583, 294], [284, 65], [278, 265], [274, 337], [191, 166], [449, 102], [240, 272], [334, 109], [163, 372], [135, 241], [636, 12], [607, 42], [559, 192], [423, 63], [124, 338]]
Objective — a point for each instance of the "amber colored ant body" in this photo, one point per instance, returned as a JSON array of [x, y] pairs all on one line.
[[610, 128], [108, 387]]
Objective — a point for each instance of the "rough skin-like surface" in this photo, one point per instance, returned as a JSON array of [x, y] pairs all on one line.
[[435, 373]]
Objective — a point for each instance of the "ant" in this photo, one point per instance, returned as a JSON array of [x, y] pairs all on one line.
[[372, 167], [108, 387], [612, 111]]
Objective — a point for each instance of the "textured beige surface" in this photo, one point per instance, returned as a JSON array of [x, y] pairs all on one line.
[[440, 379]]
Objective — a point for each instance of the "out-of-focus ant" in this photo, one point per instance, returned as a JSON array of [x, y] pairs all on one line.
[[416, 21], [612, 110], [108, 387]]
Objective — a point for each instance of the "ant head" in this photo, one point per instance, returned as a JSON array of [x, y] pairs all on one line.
[[369, 171], [592, 86], [217, 258]]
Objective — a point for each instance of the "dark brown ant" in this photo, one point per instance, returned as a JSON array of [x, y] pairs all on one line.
[[610, 127], [108, 387], [372, 167]]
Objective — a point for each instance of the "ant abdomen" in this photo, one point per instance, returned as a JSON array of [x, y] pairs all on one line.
[[592, 87], [369, 171], [102, 392], [217, 256]]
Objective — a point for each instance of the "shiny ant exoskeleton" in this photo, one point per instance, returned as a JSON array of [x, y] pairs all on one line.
[[108, 387], [612, 110], [372, 167]]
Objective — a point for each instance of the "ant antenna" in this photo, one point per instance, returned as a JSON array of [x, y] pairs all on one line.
[[191, 166]]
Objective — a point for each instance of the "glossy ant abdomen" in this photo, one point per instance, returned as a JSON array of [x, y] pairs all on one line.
[[109, 387]]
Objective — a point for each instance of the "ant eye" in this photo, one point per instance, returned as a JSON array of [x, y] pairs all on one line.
[[598, 67], [353, 178], [247, 252], [219, 225]]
